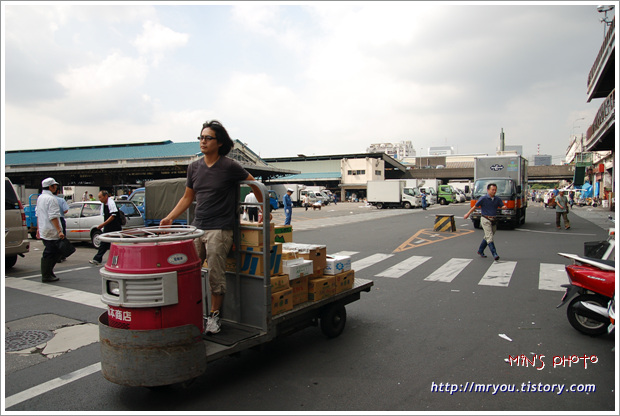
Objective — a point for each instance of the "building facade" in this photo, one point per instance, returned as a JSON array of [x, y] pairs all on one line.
[[594, 158], [398, 151]]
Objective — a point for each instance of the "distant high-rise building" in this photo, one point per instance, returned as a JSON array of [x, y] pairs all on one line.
[[513, 148], [542, 160], [440, 150], [398, 151]]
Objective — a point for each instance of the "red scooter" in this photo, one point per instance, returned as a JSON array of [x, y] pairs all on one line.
[[594, 280]]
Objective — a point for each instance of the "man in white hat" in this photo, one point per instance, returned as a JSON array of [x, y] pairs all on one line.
[[288, 206], [49, 228]]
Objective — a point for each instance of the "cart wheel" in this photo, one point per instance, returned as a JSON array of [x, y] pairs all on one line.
[[333, 319]]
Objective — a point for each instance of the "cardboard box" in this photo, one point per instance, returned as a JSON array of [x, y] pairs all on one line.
[[300, 290], [289, 254], [297, 268], [344, 281], [316, 253], [231, 264], [281, 301], [283, 233], [279, 282], [321, 288], [252, 235], [337, 264], [253, 263]]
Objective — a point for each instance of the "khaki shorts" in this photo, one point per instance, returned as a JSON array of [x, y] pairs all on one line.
[[214, 246]]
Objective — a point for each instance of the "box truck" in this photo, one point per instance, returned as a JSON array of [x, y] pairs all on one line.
[[75, 193], [436, 191], [299, 191], [392, 194], [509, 173]]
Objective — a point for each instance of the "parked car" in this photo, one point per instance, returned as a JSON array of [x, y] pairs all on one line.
[[15, 230], [460, 195], [84, 217]]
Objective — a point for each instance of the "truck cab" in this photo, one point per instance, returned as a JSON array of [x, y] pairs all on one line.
[[446, 194], [508, 191], [137, 197], [431, 195]]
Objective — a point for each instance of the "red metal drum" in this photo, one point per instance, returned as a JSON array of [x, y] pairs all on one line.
[[153, 285]]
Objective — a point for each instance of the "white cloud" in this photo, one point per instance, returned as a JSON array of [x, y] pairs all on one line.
[[110, 76], [157, 39]]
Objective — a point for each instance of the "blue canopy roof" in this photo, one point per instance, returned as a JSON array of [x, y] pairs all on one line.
[[153, 150]]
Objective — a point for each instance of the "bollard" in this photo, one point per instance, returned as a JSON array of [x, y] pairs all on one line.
[[444, 223]]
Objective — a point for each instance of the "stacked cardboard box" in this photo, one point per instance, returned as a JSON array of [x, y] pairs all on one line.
[[283, 233], [252, 243], [330, 274], [299, 272]]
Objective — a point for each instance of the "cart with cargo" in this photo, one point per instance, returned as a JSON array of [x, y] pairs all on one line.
[[155, 286]]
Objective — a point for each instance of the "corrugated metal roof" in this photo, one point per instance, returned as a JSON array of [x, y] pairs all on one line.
[[153, 150], [308, 176]]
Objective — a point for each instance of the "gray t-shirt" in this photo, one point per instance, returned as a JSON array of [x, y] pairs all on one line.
[[215, 188], [561, 200]]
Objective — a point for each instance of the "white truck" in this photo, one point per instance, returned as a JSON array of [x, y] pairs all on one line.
[[509, 173], [281, 189], [465, 186], [321, 191], [392, 194], [75, 193]]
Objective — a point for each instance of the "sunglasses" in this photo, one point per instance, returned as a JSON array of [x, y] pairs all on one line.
[[206, 138]]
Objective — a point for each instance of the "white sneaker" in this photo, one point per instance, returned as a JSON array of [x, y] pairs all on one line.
[[95, 262], [213, 323]]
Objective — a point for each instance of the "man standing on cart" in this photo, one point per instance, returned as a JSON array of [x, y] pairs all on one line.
[[213, 181]]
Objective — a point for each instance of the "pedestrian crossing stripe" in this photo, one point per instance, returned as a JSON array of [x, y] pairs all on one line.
[[449, 271], [403, 267], [550, 276], [498, 274], [369, 261], [429, 236]]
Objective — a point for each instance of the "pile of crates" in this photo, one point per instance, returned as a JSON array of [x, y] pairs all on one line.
[[299, 272]]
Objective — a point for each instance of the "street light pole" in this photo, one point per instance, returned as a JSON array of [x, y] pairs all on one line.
[[573, 129]]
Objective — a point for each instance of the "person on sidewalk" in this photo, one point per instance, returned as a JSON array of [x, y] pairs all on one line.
[[424, 204], [561, 211], [288, 206], [213, 180], [111, 222], [64, 207], [251, 210], [488, 204], [49, 229]]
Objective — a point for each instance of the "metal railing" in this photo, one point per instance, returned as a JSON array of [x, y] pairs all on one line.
[[609, 39]]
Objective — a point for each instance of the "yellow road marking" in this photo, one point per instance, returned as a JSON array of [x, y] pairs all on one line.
[[429, 236]]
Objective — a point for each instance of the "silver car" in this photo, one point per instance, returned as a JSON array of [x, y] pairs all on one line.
[[84, 217], [15, 229]]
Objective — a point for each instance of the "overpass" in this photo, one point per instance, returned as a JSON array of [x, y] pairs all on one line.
[[535, 173]]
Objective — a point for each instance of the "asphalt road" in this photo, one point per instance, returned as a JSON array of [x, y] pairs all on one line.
[[420, 331]]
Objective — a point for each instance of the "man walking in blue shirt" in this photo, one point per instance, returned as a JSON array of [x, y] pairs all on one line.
[[488, 204]]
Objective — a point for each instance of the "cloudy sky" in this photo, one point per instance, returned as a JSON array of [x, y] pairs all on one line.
[[314, 78]]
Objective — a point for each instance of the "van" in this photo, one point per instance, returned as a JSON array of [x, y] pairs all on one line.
[[15, 229], [313, 197]]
